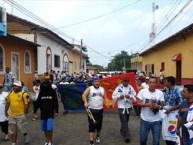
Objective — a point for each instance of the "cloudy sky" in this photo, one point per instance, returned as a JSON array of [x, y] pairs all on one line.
[[108, 26]]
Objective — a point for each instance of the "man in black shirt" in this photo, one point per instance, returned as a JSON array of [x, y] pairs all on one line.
[[48, 104]]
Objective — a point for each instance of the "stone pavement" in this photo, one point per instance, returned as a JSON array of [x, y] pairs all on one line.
[[72, 129]]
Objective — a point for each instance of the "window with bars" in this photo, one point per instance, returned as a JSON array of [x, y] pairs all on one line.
[[56, 61], [27, 62]]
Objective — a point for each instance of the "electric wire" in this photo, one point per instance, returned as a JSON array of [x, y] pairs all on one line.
[[34, 17], [176, 23], [100, 16], [170, 12], [181, 10], [31, 15]]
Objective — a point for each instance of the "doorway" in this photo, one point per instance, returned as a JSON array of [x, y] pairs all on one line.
[[15, 65], [178, 72]]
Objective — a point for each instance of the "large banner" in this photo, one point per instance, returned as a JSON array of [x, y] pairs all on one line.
[[71, 95]]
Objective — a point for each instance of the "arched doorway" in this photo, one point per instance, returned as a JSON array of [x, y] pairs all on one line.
[[65, 63], [48, 59]]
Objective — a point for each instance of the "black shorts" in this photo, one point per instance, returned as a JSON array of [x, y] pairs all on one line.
[[4, 126], [98, 116]]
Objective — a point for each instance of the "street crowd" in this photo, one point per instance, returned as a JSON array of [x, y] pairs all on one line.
[[166, 112]]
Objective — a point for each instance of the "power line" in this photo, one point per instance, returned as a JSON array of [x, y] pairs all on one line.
[[181, 10], [33, 16], [176, 23], [162, 22], [168, 14], [98, 17], [38, 19], [175, 16]]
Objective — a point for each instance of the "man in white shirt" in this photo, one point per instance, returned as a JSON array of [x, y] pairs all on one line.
[[145, 84], [161, 77], [150, 101], [124, 94], [8, 80], [3, 118], [93, 99]]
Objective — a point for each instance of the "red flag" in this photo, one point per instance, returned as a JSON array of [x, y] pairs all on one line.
[[110, 84]]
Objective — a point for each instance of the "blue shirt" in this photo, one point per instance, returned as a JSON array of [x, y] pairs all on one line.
[[25, 89], [173, 97], [183, 112]]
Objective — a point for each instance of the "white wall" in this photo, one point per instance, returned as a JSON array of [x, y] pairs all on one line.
[[56, 49]]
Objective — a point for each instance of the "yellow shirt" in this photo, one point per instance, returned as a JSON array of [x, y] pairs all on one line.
[[17, 103]]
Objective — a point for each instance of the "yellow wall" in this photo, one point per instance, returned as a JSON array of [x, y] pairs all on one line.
[[75, 58], [136, 62], [19, 47], [165, 53]]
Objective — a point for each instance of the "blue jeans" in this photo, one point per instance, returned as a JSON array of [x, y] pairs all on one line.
[[7, 88], [187, 141], [144, 131]]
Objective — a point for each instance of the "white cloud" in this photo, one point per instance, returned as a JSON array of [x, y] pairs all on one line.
[[130, 25]]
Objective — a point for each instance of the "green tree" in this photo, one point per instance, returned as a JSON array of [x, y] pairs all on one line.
[[120, 61], [100, 68]]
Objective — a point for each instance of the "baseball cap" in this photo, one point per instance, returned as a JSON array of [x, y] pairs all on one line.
[[96, 79], [147, 78], [17, 83], [125, 79]]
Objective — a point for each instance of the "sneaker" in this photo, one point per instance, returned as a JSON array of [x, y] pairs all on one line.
[[98, 140], [6, 137], [26, 137], [91, 144], [49, 143], [34, 118], [127, 140], [46, 143]]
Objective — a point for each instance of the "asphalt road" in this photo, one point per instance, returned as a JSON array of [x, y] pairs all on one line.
[[72, 129]]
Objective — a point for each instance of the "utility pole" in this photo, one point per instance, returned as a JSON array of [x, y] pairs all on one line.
[[81, 43], [124, 65], [153, 34]]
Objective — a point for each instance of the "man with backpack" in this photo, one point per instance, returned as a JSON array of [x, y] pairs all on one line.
[[17, 104]]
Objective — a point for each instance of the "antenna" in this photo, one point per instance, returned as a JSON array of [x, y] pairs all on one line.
[[153, 34]]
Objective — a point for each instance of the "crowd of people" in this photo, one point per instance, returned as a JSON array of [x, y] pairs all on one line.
[[156, 108]]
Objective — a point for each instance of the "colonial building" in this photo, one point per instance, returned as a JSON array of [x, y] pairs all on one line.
[[173, 55], [20, 55], [55, 53], [136, 62]]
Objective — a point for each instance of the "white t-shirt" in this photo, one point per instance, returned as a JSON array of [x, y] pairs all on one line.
[[161, 75], [95, 98], [8, 78], [54, 86], [36, 90], [146, 113], [3, 95], [64, 83], [145, 85]]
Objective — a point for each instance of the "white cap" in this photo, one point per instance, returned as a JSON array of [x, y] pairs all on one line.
[[17, 83], [147, 78]]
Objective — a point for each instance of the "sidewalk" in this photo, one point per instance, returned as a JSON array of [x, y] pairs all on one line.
[[72, 129]]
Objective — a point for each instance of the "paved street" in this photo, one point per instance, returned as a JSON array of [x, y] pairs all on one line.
[[72, 129]]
